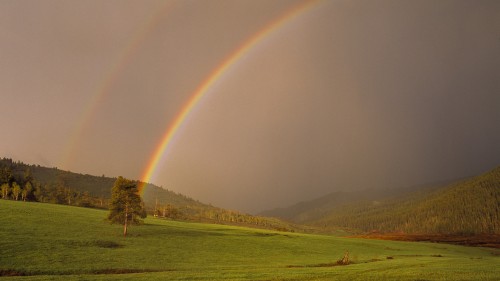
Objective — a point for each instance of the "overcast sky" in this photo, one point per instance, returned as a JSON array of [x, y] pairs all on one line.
[[346, 95]]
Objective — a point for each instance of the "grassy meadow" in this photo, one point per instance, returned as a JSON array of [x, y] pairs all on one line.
[[56, 242]]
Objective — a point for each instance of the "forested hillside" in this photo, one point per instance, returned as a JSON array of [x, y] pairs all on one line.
[[24, 182], [470, 206], [307, 211], [58, 186]]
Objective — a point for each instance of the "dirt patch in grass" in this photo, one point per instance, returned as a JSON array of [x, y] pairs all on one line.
[[483, 240], [262, 234], [11, 272], [495, 253]]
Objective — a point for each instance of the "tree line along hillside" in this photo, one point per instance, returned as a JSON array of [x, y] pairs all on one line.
[[51, 185], [20, 181], [167, 204], [470, 206], [58, 186]]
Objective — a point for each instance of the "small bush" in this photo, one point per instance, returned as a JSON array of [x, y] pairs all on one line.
[[345, 260]]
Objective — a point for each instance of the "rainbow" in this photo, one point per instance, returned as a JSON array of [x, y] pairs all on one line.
[[210, 80], [109, 79]]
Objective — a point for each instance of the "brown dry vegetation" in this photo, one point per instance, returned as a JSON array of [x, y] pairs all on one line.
[[479, 240]]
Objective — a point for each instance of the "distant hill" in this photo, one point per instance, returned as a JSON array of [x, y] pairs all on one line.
[[470, 206], [64, 187], [312, 210]]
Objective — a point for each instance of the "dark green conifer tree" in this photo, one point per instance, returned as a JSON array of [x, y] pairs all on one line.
[[126, 205]]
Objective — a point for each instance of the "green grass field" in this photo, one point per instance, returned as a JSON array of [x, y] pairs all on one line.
[[55, 242]]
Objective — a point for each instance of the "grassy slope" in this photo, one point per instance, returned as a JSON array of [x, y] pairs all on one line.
[[56, 242]]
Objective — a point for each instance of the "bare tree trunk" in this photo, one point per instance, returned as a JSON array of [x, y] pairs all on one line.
[[157, 211], [126, 221]]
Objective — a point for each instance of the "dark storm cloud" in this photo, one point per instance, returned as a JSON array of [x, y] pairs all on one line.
[[349, 95]]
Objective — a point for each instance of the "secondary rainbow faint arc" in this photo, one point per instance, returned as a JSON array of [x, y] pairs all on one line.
[[106, 83], [215, 75]]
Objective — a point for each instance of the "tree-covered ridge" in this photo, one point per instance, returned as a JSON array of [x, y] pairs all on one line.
[[19, 181], [312, 210], [58, 186], [467, 207], [52, 185]]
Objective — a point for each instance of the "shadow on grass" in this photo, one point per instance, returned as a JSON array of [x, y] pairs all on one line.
[[209, 232], [95, 243], [124, 271], [340, 263], [331, 264], [103, 271], [107, 244], [11, 272]]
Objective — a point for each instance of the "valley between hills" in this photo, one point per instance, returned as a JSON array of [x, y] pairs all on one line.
[[465, 207], [54, 228]]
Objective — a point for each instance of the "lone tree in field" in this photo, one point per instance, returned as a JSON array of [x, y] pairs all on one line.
[[126, 205]]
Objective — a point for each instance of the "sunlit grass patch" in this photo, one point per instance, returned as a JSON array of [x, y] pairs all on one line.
[[54, 242]]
